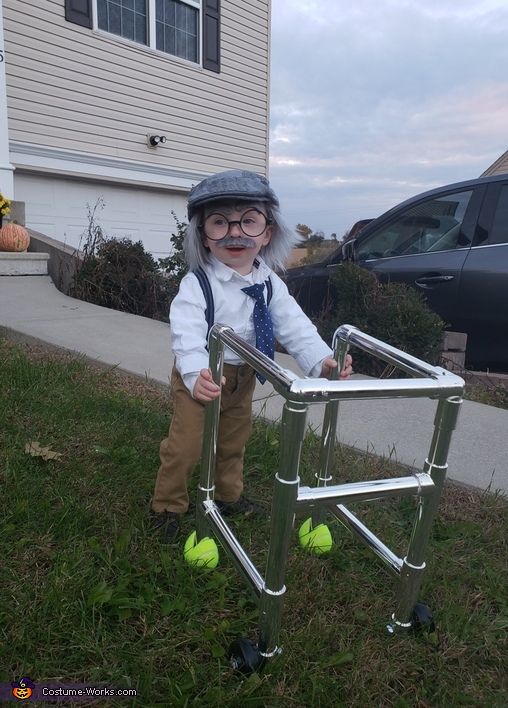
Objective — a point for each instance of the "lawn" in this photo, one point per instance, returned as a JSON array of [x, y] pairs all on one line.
[[88, 595]]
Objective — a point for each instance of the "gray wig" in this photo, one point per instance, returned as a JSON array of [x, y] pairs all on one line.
[[275, 254]]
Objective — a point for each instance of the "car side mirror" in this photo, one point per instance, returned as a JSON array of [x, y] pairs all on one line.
[[349, 250]]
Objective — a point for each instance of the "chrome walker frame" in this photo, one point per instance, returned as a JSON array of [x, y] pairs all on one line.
[[288, 496]]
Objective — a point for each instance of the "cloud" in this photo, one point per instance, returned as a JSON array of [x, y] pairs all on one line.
[[374, 102]]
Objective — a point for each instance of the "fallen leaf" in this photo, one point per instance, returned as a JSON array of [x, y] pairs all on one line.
[[34, 448]]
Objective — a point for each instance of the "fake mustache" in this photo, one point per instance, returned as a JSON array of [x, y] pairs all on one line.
[[236, 242]]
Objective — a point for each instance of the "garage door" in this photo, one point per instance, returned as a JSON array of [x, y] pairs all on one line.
[[58, 207]]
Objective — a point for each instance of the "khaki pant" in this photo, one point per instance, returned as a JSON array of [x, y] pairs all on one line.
[[181, 450]]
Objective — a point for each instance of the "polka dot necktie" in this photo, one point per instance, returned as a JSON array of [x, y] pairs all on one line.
[[263, 325]]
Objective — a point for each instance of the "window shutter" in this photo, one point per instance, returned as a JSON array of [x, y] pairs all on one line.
[[79, 12], [211, 35]]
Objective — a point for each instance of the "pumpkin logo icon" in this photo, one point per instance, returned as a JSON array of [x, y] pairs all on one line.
[[22, 689]]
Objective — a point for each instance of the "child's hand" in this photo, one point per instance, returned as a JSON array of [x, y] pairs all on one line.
[[348, 367], [329, 364], [205, 389]]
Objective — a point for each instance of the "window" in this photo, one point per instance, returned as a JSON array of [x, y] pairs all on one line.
[[435, 225], [499, 231], [170, 26], [176, 23], [176, 28], [126, 18]]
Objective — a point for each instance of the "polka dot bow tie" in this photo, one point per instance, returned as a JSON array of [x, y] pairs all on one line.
[[263, 325]]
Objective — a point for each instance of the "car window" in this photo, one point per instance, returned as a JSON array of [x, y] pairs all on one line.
[[433, 225], [499, 230]]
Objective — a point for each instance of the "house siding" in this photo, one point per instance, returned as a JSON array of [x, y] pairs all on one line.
[[499, 167], [90, 92]]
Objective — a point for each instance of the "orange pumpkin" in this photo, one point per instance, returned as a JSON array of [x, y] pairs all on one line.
[[14, 237]]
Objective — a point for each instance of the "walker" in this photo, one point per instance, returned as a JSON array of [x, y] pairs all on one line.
[[289, 497]]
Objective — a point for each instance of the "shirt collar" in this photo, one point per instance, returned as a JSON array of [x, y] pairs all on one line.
[[223, 272]]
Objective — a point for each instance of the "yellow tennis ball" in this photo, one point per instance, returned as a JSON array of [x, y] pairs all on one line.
[[203, 554], [317, 540]]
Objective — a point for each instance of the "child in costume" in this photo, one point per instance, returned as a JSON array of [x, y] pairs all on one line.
[[235, 238]]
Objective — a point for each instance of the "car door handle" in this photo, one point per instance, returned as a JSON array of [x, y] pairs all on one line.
[[430, 280]]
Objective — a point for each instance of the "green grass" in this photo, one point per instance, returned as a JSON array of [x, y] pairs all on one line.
[[487, 393], [88, 595]]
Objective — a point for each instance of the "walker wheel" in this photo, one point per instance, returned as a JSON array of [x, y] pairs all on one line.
[[422, 619], [244, 656]]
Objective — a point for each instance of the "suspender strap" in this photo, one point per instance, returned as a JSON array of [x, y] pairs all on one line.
[[268, 285], [207, 292], [269, 290]]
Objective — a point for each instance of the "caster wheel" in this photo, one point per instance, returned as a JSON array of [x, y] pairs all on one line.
[[244, 656], [422, 619]]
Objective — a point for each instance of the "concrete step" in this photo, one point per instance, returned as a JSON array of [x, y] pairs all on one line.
[[27, 263]]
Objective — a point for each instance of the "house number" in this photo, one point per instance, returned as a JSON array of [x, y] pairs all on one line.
[[1, 55]]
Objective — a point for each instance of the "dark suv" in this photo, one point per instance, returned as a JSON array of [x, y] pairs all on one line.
[[452, 245]]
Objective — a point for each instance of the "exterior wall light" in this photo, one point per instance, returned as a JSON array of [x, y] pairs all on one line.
[[154, 140]]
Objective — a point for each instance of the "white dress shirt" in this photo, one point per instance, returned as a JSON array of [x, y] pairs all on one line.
[[291, 326]]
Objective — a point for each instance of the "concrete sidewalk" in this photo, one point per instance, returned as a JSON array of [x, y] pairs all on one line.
[[401, 429]]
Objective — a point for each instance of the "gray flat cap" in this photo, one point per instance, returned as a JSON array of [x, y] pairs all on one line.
[[233, 184]]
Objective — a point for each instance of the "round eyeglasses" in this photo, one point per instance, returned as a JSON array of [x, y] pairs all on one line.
[[252, 223]]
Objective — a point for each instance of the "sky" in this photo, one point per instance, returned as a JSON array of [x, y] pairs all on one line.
[[375, 101]]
